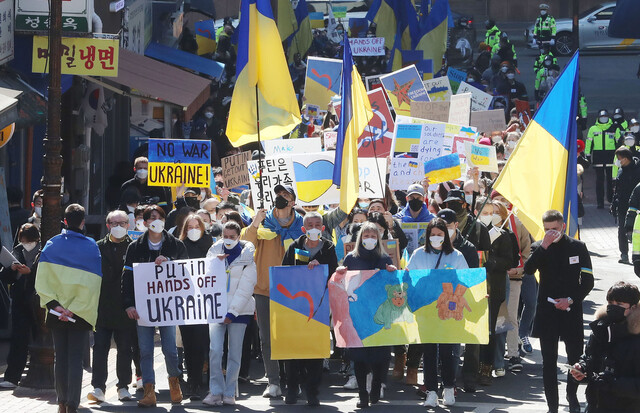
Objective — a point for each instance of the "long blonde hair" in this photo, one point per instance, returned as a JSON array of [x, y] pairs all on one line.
[[368, 226]]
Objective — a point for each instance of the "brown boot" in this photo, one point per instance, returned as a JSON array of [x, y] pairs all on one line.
[[62, 408], [149, 398], [485, 378], [174, 390], [398, 366], [412, 376]]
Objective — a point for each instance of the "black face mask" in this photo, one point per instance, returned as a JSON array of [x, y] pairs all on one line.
[[415, 204], [219, 184], [192, 201], [455, 206], [281, 202], [615, 313]]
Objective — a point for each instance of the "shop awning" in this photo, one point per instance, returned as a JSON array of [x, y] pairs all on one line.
[[158, 81], [8, 107], [185, 59], [31, 106]]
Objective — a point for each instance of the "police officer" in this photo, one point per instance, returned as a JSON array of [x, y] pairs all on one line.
[[548, 70], [601, 145], [545, 51], [582, 112], [545, 27], [619, 121], [566, 277], [492, 37]]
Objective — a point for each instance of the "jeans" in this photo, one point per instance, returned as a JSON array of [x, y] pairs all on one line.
[[271, 367], [529, 297], [169, 349], [101, 346], [69, 347], [513, 300], [446, 354], [219, 385]]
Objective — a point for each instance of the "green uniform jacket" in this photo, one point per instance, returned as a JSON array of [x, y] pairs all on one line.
[[601, 143], [545, 28], [492, 38]]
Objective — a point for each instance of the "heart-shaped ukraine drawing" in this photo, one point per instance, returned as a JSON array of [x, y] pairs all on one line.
[[314, 179]]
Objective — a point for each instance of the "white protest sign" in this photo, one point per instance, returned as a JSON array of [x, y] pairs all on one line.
[[275, 170], [488, 120], [438, 89], [330, 139], [289, 146], [482, 156], [372, 177], [460, 109], [404, 172], [367, 46], [479, 99], [183, 292]]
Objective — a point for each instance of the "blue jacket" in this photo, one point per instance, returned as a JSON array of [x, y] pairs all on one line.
[[405, 215]]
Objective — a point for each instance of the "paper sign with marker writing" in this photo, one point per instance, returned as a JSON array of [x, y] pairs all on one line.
[[438, 111], [438, 89], [456, 77], [479, 99], [275, 170], [421, 141], [373, 173], [176, 162], [234, 169], [460, 109], [488, 120], [404, 172], [292, 146], [450, 130], [482, 156], [443, 169], [330, 140]]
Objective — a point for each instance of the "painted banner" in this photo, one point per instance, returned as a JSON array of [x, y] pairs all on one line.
[[80, 56], [459, 145], [404, 87], [443, 169], [182, 292], [134, 235], [234, 169], [176, 162], [275, 171], [482, 156], [291, 146], [390, 246], [524, 111], [382, 308], [456, 77], [479, 99], [205, 36], [299, 312], [488, 121], [367, 46], [322, 80], [460, 109], [377, 138], [438, 89], [314, 178], [438, 111]]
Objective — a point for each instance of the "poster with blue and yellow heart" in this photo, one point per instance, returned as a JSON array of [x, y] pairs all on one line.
[[322, 81], [299, 312]]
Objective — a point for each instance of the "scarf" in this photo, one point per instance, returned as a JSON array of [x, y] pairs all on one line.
[[293, 232], [233, 252]]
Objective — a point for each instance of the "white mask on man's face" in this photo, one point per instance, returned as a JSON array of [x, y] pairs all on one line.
[[157, 226]]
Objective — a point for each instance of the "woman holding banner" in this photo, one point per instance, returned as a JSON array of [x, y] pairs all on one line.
[[438, 253], [368, 255], [241, 279]]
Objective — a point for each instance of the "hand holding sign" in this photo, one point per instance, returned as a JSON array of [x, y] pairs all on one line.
[[482, 156]]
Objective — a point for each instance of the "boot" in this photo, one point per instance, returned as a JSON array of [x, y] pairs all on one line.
[[174, 390], [398, 366], [149, 398], [62, 408], [485, 378], [412, 376]]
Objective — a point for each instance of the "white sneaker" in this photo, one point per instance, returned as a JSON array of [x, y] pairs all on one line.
[[7, 385], [124, 395], [272, 391], [139, 385], [500, 372], [449, 396], [351, 384], [97, 395], [432, 399], [369, 380], [382, 387], [212, 400], [229, 401]]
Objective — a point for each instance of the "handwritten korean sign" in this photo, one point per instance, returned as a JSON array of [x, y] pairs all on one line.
[[275, 171], [80, 56]]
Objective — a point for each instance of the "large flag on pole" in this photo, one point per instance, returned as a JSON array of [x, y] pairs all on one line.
[[301, 40], [433, 32], [354, 117], [261, 63], [541, 173]]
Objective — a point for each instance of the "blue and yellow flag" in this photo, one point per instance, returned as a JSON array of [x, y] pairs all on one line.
[[261, 64], [548, 147], [354, 117], [205, 36], [442, 169], [302, 255], [302, 38], [432, 39], [287, 23], [397, 22]]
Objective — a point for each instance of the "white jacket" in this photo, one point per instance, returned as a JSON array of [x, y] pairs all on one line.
[[241, 279]]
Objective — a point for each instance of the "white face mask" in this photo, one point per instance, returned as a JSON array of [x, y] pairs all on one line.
[[504, 69], [635, 129], [369, 243], [28, 246], [230, 243], [617, 163], [496, 219], [141, 173], [194, 234], [603, 119], [436, 241], [157, 226], [313, 234], [451, 231], [131, 209], [486, 219], [140, 225], [118, 232], [208, 115], [512, 144], [629, 141], [468, 198]]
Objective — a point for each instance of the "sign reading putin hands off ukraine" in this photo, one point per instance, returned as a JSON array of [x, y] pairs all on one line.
[[181, 161]]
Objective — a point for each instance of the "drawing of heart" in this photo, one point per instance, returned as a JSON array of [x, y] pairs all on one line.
[[314, 179]]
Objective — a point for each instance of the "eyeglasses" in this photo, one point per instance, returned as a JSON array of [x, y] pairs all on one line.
[[119, 224]]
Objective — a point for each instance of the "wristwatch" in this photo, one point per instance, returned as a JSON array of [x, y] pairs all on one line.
[[570, 300]]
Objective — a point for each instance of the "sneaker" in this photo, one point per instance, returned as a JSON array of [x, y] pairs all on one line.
[[7, 385], [272, 391], [351, 384], [382, 387], [97, 395], [500, 372], [449, 396], [229, 401], [432, 399], [139, 385], [515, 364], [526, 345], [212, 400], [124, 395]]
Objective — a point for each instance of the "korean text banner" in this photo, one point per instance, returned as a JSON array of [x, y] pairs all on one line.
[[182, 292], [299, 312], [174, 162], [80, 56], [382, 308]]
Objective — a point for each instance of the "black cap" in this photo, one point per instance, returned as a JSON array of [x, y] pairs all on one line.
[[455, 195], [603, 112], [448, 215], [280, 188]]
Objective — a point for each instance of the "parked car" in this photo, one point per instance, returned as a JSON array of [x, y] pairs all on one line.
[[593, 30]]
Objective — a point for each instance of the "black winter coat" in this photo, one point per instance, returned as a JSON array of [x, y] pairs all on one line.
[[326, 255], [199, 248], [111, 315]]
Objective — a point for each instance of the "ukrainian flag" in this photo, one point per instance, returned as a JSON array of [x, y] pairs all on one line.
[[206, 37], [541, 173], [397, 22], [261, 64], [443, 169], [302, 255], [432, 39], [287, 24], [354, 117], [301, 40], [70, 272]]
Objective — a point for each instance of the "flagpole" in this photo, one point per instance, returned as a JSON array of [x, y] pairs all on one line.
[[260, 164]]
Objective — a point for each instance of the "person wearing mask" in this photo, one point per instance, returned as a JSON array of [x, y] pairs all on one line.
[[157, 246], [544, 30], [545, 54], [629, 141], [158, 195], [619, 121], [601, 146], [242, 276], [493, 35], [545, 78], [610, 365], [438, 253], [393, 224], [513, 89], [472, 229], [506, 50], [511, 142], [320, 251], [566, 277], [20, 279], [490, 75], [212, 228], [368, 255], [628, 176], [272, 232], [416, 210], [59, 282], [36, 204], [634, 128]]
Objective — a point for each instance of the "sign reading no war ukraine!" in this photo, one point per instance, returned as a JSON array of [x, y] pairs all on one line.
[[182, 161]]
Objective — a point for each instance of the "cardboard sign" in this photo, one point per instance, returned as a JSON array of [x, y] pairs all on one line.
[[438, 89], [174, 162], [183, 292], [330, 140], [367, 46], [373, 173], [404, 87], [275, 170], [291, 146], [80, 56], [438, 111], [460, 109], [482, 156], [377, 137], [479, 99], [390, 246], [488, 120], [322, 80], [234, 169], [455, 77], [403, 172]]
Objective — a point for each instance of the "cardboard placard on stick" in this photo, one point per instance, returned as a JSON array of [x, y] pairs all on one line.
[[460, 109], [488, 120], [234, 169]]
